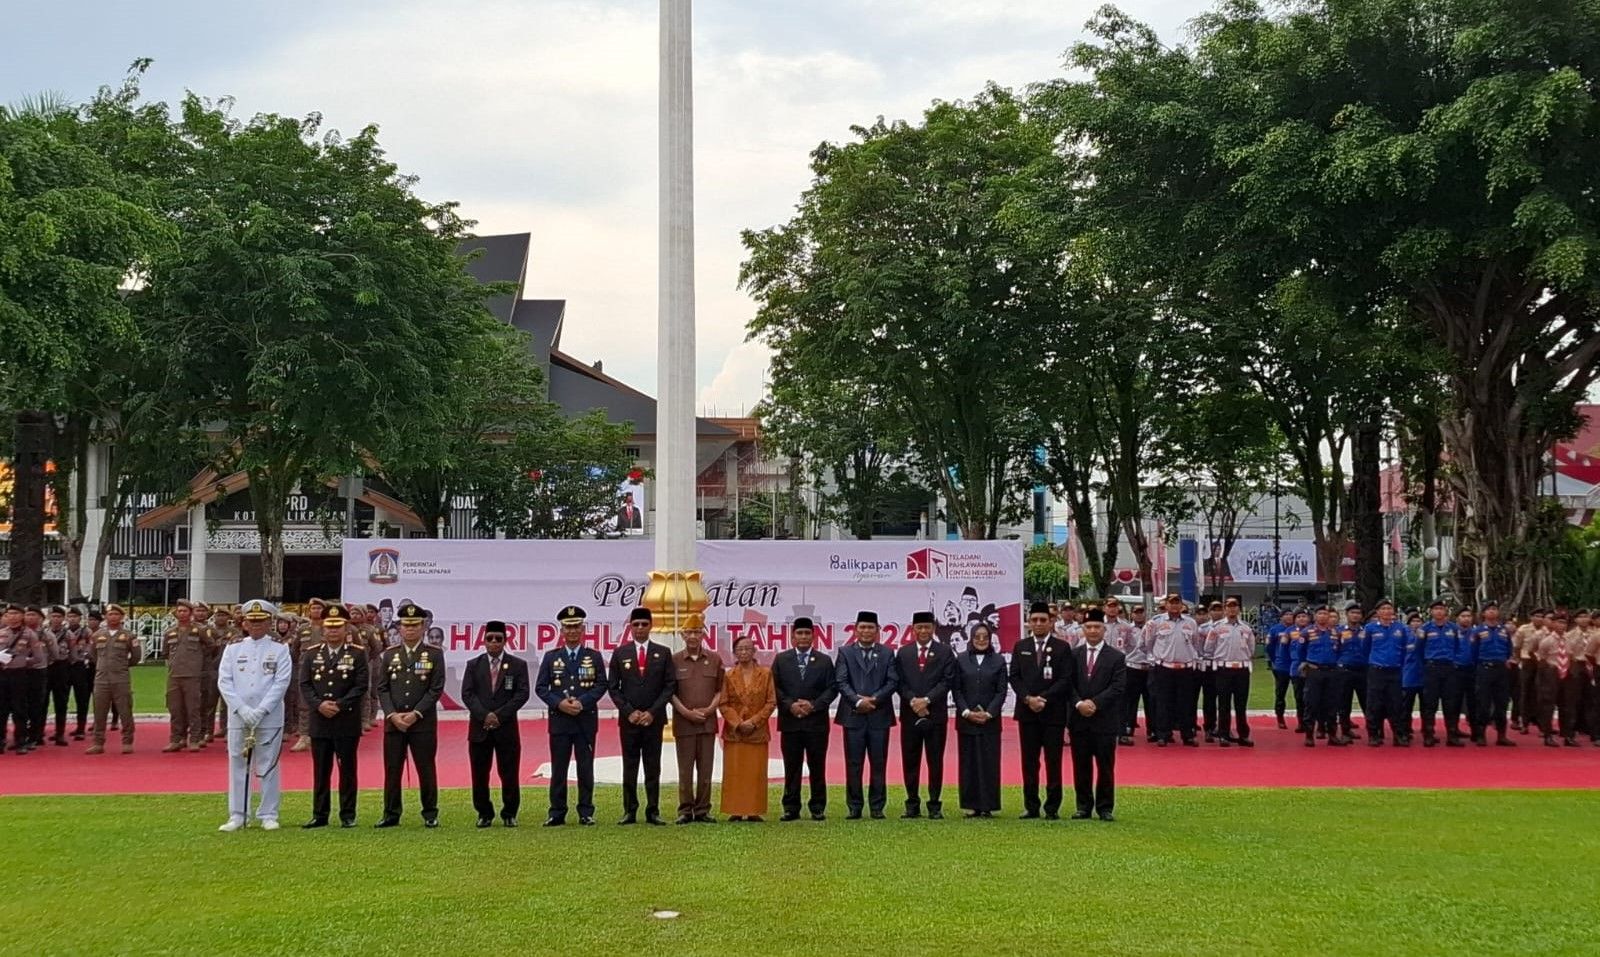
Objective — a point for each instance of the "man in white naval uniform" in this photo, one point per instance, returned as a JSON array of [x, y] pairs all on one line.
[[252, 679]]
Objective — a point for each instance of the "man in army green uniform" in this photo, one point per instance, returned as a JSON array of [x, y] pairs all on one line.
[[227, 633], [187, 645], [116, 650], [410, 683], [332, 682]]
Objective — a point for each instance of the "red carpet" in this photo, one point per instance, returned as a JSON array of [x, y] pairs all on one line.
[[1279, 761]]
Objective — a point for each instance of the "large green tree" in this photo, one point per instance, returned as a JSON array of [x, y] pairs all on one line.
[[898, 270], [76, 233], [333, 296], [1430, 157]]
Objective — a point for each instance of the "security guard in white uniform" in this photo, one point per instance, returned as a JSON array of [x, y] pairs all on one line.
[[254, 674]]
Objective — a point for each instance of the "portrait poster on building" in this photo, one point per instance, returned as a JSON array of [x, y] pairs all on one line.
[[757, 588]]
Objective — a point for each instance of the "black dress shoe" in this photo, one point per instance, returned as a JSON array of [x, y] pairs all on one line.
[[935, 815], [388, 822], [1245, 743], [315, 822], [1080, 815], [755, 819], [430, 822], [735, 818], [910, 815], [586, 822], [790, 816], [1052, 816], [1107, 816], [1190, 743], [877, 815], [853, 816], [555, 821], [1126, 741], [508, 821], [819, 817], [654, 820], [486, 822], [628, 819], [1030, 815], [348, 823], [684, 819], [1224, 743], [704, 819]]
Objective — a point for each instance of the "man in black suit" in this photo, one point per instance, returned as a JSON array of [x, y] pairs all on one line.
[[1041, 677], [572, 681], [333, 682], [494, 689], [1098, 681], [923, 670], [865, 674], [643, 680], [805, 683], [410, 682]]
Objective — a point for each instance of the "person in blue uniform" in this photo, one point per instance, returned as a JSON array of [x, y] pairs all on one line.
[[1439, 646], [1411, 673], [1352, 669], [1461, 701], [571, 683], [1283, 677], [1318, 657], [1385, 638], [1492, 674]]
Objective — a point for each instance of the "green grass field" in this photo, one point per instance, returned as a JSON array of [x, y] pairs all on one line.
[[1181, 872]]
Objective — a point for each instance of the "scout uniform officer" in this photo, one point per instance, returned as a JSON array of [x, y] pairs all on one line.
[[412, 679], [80, 668], [1231, 649], [254, 674], [332, 684], [1171, 639], [116, 649], [571, 683], [1125, 637], [187, 646], [1524, 644], [307, 637], [59, 674], [38, 678], [227, 632]]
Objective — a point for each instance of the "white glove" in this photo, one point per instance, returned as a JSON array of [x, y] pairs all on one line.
[[251, 716], [5, 657]]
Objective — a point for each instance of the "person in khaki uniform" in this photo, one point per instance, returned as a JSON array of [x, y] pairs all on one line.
[[1572, 677], [116, 649], [222, 622], [364, 636], [307, 638], [187, 646], [21, 651], [694, 725], [1524, 649]]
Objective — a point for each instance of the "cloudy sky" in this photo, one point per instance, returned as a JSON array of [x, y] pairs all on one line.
[[539, 116]]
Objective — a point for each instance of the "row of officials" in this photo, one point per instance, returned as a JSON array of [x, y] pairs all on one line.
[[1057, 687]]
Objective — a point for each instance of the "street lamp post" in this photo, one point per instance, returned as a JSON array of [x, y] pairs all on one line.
[[1277, 539]]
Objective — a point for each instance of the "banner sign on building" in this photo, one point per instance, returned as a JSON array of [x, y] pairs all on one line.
[[1251, 561], [757, 588]]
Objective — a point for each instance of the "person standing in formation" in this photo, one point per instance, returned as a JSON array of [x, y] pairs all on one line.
[[1315, 652], [642, 682], [80, 669], [923, 670], [332, 681], [696, 698], [254, 675], [412, 682], [58, 680], [980, 691], [1040, 675], [1170, 640], [1438, 639], [494, 689], [865, 675], [188, 645], [21, 648], [1098, 681], [1352, 670], [1231, 648], [748, 700], [1495, 675], [572, 682], [1461, 701], [116, 649], [1126, 638], [803, 679], [1279, 643]]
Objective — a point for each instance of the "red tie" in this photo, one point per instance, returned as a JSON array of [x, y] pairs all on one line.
[[494, 673], [1091, 662], [922, 656], [641, 659]]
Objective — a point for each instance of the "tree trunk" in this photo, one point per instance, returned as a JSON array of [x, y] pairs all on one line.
[[31, 446], [1502, 542], [1366, 512], [270, 498]]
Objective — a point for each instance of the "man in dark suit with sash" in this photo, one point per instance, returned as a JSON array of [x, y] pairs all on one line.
[[494, 689], [804, 680]]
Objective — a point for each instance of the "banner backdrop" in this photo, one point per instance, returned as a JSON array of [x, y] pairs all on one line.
[[1250, 561], [757, 588]]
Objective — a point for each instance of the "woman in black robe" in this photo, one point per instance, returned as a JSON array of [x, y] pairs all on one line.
[[980, 688]]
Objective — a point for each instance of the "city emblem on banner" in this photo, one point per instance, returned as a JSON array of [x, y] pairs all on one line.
[[383, 566], [926, 563]]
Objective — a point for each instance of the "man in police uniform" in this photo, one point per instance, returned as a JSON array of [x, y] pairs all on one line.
[[642, 682], [412, 681], [116, 649], [254, 674], [494, 689], [572, 681], [332, 684], [187, 646]]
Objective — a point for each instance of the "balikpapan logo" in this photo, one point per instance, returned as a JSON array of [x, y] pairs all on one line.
[[383, 566], [926, 563]]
